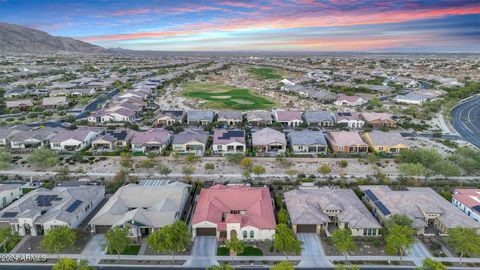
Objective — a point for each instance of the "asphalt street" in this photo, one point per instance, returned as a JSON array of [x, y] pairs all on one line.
[[466, 120]]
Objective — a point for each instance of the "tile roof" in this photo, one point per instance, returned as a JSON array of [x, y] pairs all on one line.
[[79, 134], [154, 135], [268, 136], [306, 137], [345, 138], [199, 115], [381, 138], [189, 136], [221, 136], [256, 202], [318, 116], [468, 197], [282, 116]]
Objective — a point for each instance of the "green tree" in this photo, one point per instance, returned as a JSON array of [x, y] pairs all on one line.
[[285, 240], [164, 170], [283, 265], [446, 168], [71, 264], [412, 169], [125, 161], [223, 266], [7, 239], [170, 238], [372, 158], [258, 170], [63, 173], [58, 239], [324, 169], [343, 241], [43, 158], [343, 163], [191, 158], [282, 216], [5, 159], [398, 219], [399, 240], [117, 240], [429, 264], [188, 170], [246, 163], [343, 267], [235, 245], [209, 167], [466, 242]]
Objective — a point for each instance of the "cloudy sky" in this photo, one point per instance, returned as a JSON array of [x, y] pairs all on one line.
[[270, 25]]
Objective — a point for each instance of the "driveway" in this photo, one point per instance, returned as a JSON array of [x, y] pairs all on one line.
[[420, 251], [204, 250], [313, 254], [94, 249]]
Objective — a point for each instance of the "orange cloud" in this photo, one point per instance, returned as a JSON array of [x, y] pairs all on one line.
[[306, 20]]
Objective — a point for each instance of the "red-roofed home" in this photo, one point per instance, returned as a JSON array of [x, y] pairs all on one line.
[[242, 210], [346, 142], [468, 201]]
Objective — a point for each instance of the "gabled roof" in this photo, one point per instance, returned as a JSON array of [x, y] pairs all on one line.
[[221, 136], [268, 136], [200, 115], [79, 134], [339, 116], [319, 116], [468, 197], [345, 138], [380, 138], [189, 136], [373, 116], [307, 137], [218, 200], [230, 115], [155, 135], [283, 116]]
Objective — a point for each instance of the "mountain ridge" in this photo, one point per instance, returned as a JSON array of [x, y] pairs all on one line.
[[20, 39]]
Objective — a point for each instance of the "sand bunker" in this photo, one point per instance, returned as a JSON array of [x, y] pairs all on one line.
[[221, 97]]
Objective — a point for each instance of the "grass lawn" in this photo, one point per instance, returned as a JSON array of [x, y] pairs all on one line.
[[130, 250], [265, 73], [221, 96], [248, 251], [10, 245]]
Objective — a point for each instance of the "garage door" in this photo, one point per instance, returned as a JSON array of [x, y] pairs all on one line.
[[306, 228], [206, 232]]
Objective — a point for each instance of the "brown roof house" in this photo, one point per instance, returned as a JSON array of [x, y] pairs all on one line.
[[153, 140], [346, 142], [228, 141], [378, 120], [269, 142]]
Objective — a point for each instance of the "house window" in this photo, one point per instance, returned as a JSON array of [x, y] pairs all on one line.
[[364, 232], [252, 234], [245, 234]]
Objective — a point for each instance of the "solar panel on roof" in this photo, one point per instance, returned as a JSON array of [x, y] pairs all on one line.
[[9, 214], [476, 208], [370, 195], [382, 208], [46, 200], [232, 133], [74, 206]]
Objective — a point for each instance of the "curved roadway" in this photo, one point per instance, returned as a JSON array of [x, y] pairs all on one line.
[[466, 120]]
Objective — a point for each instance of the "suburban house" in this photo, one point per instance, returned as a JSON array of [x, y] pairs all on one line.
[[73, 140], [259, 118], [190, 142], [228, 142], [168, 118], [289, 118], [111, 140], [307, 142], [230, 118], [54, 102], [429, 211], [319, 119], [244, 211], [350, 101], [385, 142], [410, 98], [349, 119], [22, 104], [31, 139], [269, 142], [468, 201], [346, 142], [114, 114], [42, 209], [378, 120], [200, 117], [9, 193], [313, 209], [16, 93], [142, 208], [152, 140]]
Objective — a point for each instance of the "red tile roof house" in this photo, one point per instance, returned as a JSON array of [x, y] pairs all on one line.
[[344, 100], [378, 120], [269, 142], [289, 118], [468, 201], [223, 210], [153, 140], [346, 142]]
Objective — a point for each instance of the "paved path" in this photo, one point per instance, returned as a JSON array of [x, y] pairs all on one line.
[[20, 244], [313, 254], [420, 251], [466, 120], [203, 253], [94, 248]]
